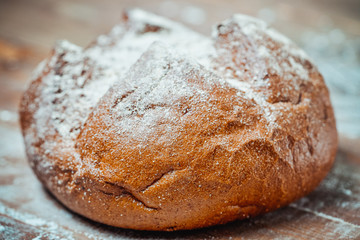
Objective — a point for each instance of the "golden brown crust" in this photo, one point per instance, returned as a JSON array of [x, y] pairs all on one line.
[[173, 144]]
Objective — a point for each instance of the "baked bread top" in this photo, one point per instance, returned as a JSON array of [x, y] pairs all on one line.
[[156, 127]]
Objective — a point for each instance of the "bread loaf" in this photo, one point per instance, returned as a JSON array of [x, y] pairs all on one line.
[[156, 127]]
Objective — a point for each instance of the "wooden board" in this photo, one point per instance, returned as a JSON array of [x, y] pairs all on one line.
[[28, 29]]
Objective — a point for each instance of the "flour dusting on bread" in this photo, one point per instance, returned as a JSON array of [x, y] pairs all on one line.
[[156, 127]]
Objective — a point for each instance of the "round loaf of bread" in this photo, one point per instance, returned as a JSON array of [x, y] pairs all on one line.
[[156, 127]]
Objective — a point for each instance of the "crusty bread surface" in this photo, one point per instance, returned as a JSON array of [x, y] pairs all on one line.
[[156, 127]]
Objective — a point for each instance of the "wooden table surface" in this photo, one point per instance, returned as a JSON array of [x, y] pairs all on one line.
[[28, 29]]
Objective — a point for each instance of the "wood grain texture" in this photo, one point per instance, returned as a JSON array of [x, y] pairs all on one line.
[[28, 29]]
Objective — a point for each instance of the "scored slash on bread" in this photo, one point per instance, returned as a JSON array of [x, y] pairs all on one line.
[[156, 127]]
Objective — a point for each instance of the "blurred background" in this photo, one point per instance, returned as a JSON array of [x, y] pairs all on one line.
[[328, 30]]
